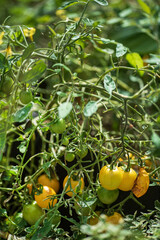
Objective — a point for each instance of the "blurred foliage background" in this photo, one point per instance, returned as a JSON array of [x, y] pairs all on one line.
[[124, 21]]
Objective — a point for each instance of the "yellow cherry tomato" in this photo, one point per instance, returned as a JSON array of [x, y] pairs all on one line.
[[110, 179], [53, 182], [128, 180], [46, 198], [74, 185], [116, 218]]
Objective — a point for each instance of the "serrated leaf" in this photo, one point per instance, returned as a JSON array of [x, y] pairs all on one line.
[[120, 50], [109, 84], [144, 6], [35, 73], [64, 109], [90, 108], [69, 4], [136, 61], [22, 114], [28, 51], [101, 2]]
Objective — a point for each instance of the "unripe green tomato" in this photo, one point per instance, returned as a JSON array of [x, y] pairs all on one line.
[[107, 196], [69, 156], [25, 96], [32, 213], [59, 126], [65, 141], [7, 85], [82, 152]]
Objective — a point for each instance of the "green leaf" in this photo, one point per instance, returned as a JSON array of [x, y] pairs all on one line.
[[35, 73], [22, 114], [63, 66], [70, 3], [64, 109], [109, 84], [101, 2], [4, 65], [120, 50], [136, 61], [144, 6], [90, 108], [28, 51]]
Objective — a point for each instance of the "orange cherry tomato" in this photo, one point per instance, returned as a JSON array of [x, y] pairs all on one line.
[[45, 199], [45, 181], [74, 185], [110, 179], [128, 180], [116, 218]]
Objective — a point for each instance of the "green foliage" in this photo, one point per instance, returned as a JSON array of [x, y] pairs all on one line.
[[92, 69]]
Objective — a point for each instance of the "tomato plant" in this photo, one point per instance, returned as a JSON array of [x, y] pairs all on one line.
[[32, 213], [79, 118]]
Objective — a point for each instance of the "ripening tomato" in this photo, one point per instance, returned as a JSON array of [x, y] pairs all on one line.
[[110, 179], [46, 199], [116, 218], [59, 126], [128, 180], [32, 213], [107, 196], [74, 186], [53, 182], [25, 96]]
